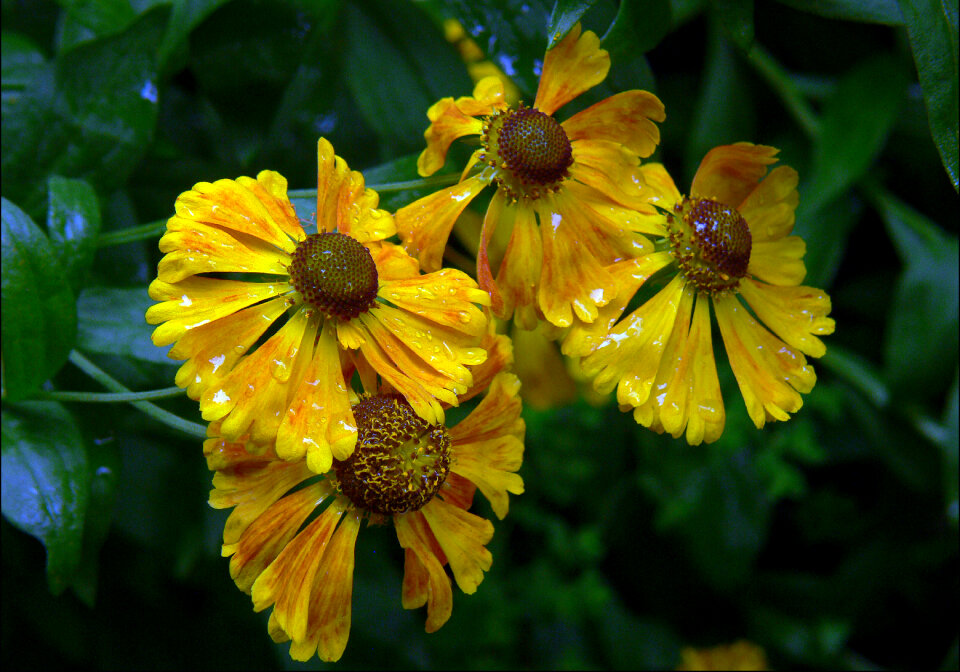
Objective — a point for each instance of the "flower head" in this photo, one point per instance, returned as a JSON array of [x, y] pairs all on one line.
[[273, 322], [291, 533], [726, 245], [567, 190]]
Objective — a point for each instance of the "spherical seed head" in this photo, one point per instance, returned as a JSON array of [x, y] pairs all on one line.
[[400, 460], [711, 242], [336, 274], [530, 149]]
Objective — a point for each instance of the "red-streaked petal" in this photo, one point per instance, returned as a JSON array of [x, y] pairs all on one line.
[[625, 118], [521, 268], [573, 66], [424, 579], [769, 209], [463, 537], [794, 314], [729, 173], [344, 204]]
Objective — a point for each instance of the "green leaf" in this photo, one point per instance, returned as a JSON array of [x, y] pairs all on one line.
[[104, 467], [867, 11], [639, 27], [21, 59], [39, 315], [46, 483], [926, 298], [186, 15], [90, 114], [102, 17], [565, 15], [932, 27], [951, 451], [111, 322], [73, 222], [736, 17]]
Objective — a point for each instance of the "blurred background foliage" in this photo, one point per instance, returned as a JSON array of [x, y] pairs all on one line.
[[830, 540]]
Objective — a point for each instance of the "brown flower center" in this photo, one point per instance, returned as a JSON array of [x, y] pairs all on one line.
[[336, 274], [711, 242], [400, 460], [530, 149]]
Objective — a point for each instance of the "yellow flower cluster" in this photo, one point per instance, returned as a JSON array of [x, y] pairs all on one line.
[[324, 361]]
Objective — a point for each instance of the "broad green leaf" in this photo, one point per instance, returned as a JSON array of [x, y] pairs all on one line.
[[565, 15], [638, 28], [90, 115], [736, 17], [186, 15], [46, 483], [39, 315], [101, 17], [73, 222], [868, 11], [932, 27], [927, 299], [104, 467], [21, 58], [110, 321]]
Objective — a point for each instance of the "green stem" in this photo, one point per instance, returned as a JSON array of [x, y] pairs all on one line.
[[154, 411], [133, 234], [112, 397], [790, 93]]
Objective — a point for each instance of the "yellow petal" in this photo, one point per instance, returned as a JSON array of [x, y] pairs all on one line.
[[573, 66], [499, 349], [447, 123], [612, 170], [540, 367], [424, 225], [660, 190], [424, 579], [344, 205], [779, 262], [463, 538], [446, 298], [770, 374], [729, 173], [319, 422], [625, 118], [769, 209], [488, 96], [393, 263], [794, 314], [630, 356], [520, 270]]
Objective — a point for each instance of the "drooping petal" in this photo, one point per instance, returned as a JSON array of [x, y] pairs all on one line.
[[463, 537], [729, 173], [447, 123], [445, 297], [794, 314], [612, 170], [769, 209], [520, 270], [625, 118], [771, 374], [424, 579], [618, 232], [779, 262], [576, 64], [631, 354], [424, 225], [319, 422], [497, 218], [488, 96]]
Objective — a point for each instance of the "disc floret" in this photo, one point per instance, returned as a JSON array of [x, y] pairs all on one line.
[[711, 242], [335, 273]]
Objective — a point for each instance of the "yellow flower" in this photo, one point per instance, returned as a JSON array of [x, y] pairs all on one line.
[[273, 322], [579, 179], [420, 476], [726, 245], [741, 655]]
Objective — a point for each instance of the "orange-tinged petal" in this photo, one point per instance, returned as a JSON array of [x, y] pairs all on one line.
[[463, 537], [661, 191], [488, 96], [319, 422], [194, 302], [794, 314], [572, 280], [192, 247], [424, 579], [330, 609], [447, 123], [446, 298], [628, 276], [344, 205], [769, 209], [499, 349], [771, 374], [497, 214], [576, 64], [520, 270], [729, 173], [630, 356], [244, 207], [612, 170], [271, 531], [213, 349], [540, 366], [617, 231], [779, 262], [424, 225], [625, 118]]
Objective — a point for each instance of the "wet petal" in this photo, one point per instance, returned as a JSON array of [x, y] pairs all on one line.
[[729, 173], [576, 64], [769, 209], [794, 314], [520, 270], [344, 204], [779, 262], [625, 118], [446, 298], [463, 537], [771, 374], [424, 225], [424, 579], [612, 170], [661, 191], [448, 121]]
